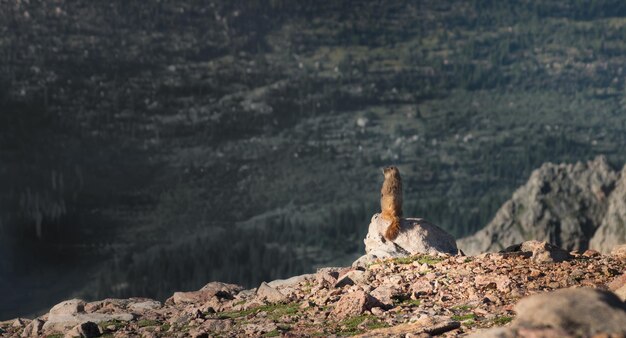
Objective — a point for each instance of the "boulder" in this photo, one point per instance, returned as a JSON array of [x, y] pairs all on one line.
[[540, 251], [566, 312], [70, 313], [209, 291], [354, 304], [145, 305], [68, 307], [417, 236], [618, 286], [84, 330], [269, 294], [289, 286], [351, 277]]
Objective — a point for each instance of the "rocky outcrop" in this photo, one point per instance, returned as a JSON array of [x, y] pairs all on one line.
[[564, 204], [423, 295], [566, 313], [612, 230], [417, 236]]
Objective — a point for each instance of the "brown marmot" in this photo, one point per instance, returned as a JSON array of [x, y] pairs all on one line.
[[391, 201]]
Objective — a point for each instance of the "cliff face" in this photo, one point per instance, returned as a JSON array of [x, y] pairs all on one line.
[[575, 206]]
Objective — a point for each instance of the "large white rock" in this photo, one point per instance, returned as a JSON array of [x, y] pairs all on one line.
[[417, 236]]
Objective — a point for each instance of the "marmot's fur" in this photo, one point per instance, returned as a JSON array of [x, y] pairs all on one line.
[[391, 201]]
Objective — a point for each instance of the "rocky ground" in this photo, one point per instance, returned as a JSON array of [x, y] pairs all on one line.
[[416, 296]]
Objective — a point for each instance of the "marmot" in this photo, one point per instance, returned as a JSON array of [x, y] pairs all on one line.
[[391, 201]]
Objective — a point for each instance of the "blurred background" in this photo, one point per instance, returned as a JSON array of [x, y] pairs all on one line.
[[148, 147]]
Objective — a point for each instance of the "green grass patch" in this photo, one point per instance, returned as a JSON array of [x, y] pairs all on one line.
[[273, 333], [403, 300], [411, 302], [351, 326], [165, 327], [117, 323], [147, 322], [464, 317], [502, 320], [470, 322], [274, 311]]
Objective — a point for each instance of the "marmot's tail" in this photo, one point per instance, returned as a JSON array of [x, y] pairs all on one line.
[[394, 228]]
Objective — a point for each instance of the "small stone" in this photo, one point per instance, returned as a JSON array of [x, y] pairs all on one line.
[[377, 311]]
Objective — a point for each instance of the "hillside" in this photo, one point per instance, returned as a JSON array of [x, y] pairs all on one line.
[[142, 141]]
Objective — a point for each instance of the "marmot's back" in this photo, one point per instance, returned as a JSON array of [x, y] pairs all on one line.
[[391, 201]]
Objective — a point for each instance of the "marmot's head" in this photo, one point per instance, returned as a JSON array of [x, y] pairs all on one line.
[[391, 172]]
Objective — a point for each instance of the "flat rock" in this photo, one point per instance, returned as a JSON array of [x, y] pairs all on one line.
[[63, 322], [291, 282], [145, 305], [211, 290], [417, 236]]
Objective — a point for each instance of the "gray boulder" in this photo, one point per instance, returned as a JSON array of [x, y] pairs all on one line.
[[417, 236], [540, 251], [566, 313]]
